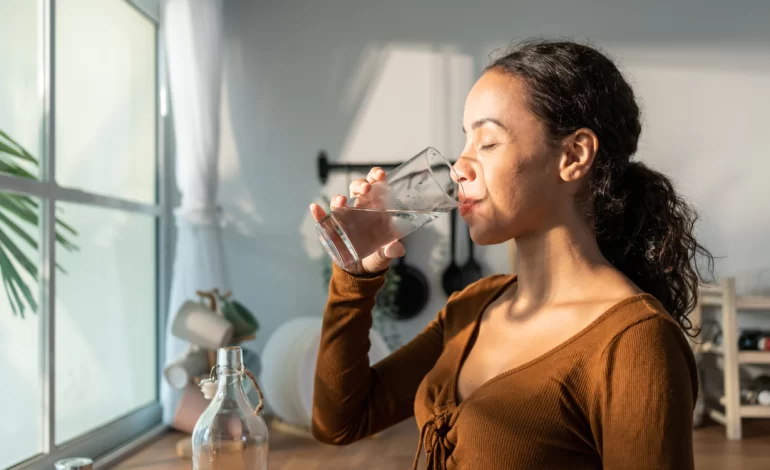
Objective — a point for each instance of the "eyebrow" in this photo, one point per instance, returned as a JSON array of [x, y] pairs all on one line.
[[480, 122]]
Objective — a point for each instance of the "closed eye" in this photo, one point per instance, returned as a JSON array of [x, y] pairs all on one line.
[[488, 146]]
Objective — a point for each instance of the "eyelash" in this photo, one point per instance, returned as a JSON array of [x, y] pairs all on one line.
[[488, 146]]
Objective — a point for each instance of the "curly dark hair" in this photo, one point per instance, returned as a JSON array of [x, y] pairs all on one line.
[[642, 225]]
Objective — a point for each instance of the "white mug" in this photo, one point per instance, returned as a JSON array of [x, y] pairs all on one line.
[[196, 323], [180, 372]]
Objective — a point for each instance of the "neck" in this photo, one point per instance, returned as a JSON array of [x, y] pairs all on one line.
[[552, 263]]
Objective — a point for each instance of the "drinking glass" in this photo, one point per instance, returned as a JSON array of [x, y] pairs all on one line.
[[417, 192]]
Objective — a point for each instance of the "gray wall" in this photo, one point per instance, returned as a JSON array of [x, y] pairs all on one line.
[[382, 80]]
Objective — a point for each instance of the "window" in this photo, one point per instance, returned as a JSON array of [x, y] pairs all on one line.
[[82, 228]]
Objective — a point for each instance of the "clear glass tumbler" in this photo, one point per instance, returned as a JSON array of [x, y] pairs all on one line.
[[415, 193]]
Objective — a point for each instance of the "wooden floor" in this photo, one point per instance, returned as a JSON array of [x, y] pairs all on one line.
[[394, 450]]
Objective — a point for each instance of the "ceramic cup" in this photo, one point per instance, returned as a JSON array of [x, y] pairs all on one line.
[[196, 323], [191, 405], [181, 371]]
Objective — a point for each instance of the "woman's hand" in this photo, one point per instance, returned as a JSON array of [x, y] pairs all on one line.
[[362, 190]]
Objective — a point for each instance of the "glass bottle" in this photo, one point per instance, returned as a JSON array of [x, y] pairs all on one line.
[[230, 434]]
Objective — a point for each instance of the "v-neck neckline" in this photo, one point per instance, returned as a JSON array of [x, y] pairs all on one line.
[[472, 336]]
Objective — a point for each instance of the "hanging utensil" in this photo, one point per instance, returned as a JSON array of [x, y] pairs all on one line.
[[451, 281], [413, 290], [471, 270]]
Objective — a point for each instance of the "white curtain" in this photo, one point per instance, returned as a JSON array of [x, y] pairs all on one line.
[[193, 40]]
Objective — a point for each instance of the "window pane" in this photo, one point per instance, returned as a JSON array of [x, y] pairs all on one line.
[[21, 74], [20, 331], [105, 319], [105, 99]]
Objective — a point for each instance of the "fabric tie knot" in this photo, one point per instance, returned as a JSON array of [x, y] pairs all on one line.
[[434, 438]]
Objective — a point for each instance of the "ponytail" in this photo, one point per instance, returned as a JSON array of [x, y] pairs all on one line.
[[645, 229]]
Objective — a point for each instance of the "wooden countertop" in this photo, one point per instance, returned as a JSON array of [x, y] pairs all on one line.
[[394, 450]]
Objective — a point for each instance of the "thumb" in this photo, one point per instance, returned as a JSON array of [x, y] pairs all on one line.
[[380, 259], [394, 250]]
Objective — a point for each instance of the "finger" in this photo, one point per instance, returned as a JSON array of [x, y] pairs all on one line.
[[317, 212], [359, 188], [338, 201], [394, 250], [375, 174], [380, 259]]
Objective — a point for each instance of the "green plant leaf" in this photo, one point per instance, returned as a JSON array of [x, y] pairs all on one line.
[[65, 226], [10, 292], [66, 244], [21, 258], [13, 276], [15, 205], [13, 152], [15, 170], [21, 152], [18, 230], [27, 210], [30, 208]]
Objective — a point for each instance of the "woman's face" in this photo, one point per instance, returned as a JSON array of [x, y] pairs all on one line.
[[509, 167]]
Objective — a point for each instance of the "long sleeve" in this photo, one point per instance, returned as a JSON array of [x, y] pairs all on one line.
[[650, 386], [351, 399]]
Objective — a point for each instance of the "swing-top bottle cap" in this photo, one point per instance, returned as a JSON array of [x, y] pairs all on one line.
[[230, 359]]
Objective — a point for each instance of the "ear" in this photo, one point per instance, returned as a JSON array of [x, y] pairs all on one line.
[[579, 151]]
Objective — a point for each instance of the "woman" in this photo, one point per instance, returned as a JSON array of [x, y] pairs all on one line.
[[579, 361]]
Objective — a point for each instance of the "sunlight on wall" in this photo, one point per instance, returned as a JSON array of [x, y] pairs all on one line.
[[705, 113]]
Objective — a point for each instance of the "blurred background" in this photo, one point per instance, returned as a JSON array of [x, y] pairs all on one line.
[[150, 149]]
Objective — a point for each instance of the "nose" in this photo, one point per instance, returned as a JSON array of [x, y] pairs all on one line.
[[464, 172]]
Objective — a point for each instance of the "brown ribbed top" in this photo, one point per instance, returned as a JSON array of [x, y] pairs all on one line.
[[617, 395]]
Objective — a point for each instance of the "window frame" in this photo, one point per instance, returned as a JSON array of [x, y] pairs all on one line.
[[110, 442]]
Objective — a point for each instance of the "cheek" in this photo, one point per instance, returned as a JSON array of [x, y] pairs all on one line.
[[513, 185], [522, 193]]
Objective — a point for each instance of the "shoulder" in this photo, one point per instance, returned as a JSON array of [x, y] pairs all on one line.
[[643, 318], [646, 340], [463, 307]]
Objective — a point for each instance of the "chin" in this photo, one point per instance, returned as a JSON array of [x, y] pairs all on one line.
[[485, 235]]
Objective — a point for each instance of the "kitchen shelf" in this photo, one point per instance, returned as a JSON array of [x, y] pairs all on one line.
[[755, 411], [744, 357], [754, 357], [746, 411], [725, 297], [742, 303]]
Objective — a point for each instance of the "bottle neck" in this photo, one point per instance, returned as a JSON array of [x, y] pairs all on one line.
[[230, 385], [230, 370]]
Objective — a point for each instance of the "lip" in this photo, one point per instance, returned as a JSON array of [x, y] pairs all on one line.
[[466, 206]]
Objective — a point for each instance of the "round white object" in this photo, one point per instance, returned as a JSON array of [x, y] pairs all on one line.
[[288, 367], [177, 377], [763, 398], [277, 360]]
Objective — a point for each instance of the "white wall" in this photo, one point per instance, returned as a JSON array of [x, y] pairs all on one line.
[[382, 80]]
